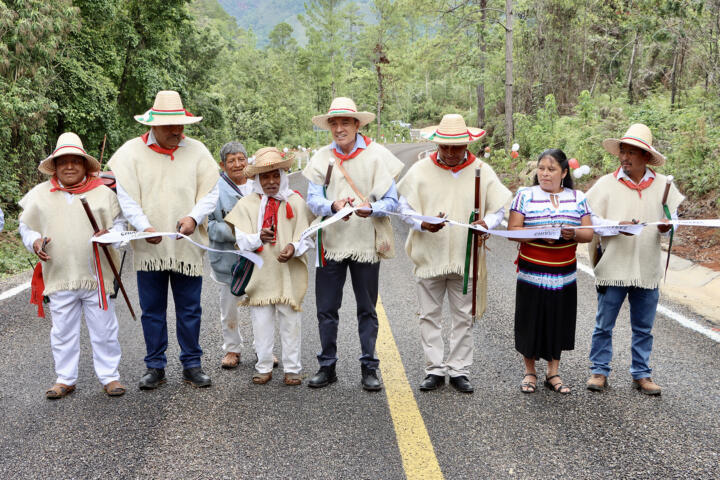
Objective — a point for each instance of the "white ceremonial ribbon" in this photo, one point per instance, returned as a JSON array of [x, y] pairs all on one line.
[[124, 237], [339, 215], [708, 222]]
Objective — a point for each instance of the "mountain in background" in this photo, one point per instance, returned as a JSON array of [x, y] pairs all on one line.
[[262, 15]]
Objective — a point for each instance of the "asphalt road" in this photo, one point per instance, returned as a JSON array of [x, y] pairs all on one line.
[[239, 430]]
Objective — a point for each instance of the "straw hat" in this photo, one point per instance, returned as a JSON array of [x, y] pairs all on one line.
[[268, 159], [638, 135], [167, 110], [342, 107], [68, 144], [452, 131]]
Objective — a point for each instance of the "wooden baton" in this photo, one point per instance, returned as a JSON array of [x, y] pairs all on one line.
[[104, 247], [475, 244]]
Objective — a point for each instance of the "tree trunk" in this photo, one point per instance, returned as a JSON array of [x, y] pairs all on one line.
[[630, 70], [379, 100], [673, 77], [481, 64], [509, 130]]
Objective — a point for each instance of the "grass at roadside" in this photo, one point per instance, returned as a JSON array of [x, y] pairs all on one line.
[[14, 258]]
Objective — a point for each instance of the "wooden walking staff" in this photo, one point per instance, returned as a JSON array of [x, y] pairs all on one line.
[[666, 209], [104, 247], [475, 244], [326, 183]]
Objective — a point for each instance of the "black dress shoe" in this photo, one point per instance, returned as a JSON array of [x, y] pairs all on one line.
[[370, 380], [324, 377], [153, 378], [196, 377], [432, 382], [461, 384]]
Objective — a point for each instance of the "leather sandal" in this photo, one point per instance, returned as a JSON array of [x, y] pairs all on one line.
[[292, 379], [557, 387], [114, 389], [529, 387], [261, 378], [59, 390]]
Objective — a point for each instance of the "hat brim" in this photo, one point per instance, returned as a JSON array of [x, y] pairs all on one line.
[[322, 120], [252, 170], [168, 120], [612, 145], [47, 166], [430, 133]]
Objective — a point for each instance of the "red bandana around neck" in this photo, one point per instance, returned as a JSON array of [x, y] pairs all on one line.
[[456, 168], [157, 148], [631, 185], [90, 182], [342, 157]]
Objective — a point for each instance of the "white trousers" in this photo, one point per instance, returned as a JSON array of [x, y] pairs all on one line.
[[66, 309], [230, 320], [431, 293], [288, 320]]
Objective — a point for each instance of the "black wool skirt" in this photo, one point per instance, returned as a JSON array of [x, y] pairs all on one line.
[[545, 310]]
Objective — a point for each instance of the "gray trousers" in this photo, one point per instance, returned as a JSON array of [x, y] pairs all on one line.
[[431, 293]]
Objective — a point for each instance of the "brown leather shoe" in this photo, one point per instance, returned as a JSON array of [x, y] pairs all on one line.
[[59, 390], [293, 379], [261, 378], [114, 389], [647, 386], [597, 382], [230, 360]]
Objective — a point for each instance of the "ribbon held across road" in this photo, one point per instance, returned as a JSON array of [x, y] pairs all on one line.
[[124, 237]]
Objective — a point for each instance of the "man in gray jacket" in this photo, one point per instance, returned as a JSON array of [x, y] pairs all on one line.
[[232, 186]]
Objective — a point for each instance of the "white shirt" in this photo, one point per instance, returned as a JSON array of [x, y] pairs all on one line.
[[137, 218]]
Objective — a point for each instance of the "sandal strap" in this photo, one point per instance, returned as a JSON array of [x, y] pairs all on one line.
[[530, 375], [550, 378]]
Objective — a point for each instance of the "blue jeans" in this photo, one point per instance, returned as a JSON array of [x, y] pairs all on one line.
[[153, 290], [643, 303]]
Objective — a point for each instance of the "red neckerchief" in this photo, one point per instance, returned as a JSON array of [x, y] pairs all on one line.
[[90, 182], [456, 168], [342, 157], [270, 216], [37, 287], [639, 187], [157, 148]]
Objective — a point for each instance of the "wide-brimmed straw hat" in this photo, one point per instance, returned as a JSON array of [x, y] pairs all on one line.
[[268, 159], [638, 135], [167, 110], [452, 131], [342, 107], [68, 144]]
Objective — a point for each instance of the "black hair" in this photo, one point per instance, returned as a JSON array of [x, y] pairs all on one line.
[[562, 160]]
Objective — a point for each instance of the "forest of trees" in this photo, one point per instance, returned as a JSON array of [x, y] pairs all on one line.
[[552, 73]]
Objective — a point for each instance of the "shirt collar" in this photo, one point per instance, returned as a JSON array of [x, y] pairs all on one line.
[[648, 175], [359, 143], [153, 141]]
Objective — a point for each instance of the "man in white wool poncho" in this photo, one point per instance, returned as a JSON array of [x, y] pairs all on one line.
[[442, 184], [166, 182], [353, 170]]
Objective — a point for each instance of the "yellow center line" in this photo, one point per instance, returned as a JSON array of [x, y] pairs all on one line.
[[416, 450]]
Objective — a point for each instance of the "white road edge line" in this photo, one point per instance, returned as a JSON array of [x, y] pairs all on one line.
[[14, 291], [663, 310]]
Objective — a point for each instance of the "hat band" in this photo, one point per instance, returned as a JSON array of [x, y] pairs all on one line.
[[69, 146], [628, 137], [149, 115], [455, 136], [334, 111]]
